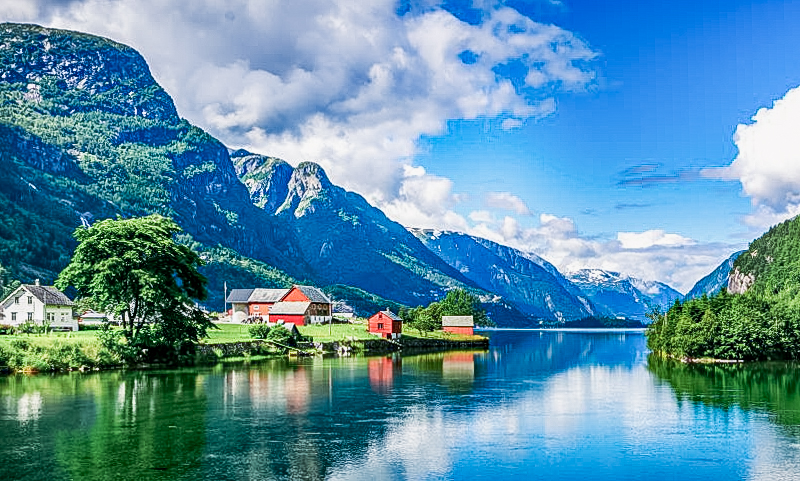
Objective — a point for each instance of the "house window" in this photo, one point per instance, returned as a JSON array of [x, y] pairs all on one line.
[[30, 299], [255, 308], [30, 316], [51, 316], [13, 316], [16, 300], [380, 325]]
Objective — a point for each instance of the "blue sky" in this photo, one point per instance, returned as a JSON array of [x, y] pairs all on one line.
[[674, 81], [596, 134]]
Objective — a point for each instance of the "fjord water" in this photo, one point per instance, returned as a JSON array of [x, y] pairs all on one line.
[[536, 405]]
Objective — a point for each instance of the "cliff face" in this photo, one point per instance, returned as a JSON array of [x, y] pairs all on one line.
[[344, 238], [91, 73], [715, 280], [771, 263], [738, 282]]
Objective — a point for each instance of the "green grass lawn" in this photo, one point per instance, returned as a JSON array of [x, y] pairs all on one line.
[[77, 336], [228, 333], [336, 332], [320, 332]]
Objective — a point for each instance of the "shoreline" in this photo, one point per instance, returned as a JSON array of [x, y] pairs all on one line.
[[207, 354]]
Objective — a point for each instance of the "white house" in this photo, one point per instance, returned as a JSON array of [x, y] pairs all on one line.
[[36, 303]]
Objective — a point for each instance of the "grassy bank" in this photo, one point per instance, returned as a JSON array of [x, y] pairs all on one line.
[[55, 352], [83, 350]]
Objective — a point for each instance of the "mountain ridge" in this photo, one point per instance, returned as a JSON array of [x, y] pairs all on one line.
[[620, 295]]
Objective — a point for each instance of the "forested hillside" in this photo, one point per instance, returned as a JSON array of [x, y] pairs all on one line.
[[756, 318]]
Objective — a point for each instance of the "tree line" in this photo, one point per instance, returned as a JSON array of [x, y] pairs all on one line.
[[457, 302]]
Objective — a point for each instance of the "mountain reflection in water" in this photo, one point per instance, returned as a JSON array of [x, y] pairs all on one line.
[[537, 404]]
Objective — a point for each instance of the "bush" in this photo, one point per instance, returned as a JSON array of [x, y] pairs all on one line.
[[282, 336], [6, 329], [90, 327], [259, 331]]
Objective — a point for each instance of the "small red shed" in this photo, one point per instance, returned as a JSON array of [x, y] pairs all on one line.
[[386, 324], [458, 325]]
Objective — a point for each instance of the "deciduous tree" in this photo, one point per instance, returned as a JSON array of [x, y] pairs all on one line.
[[134, 269]]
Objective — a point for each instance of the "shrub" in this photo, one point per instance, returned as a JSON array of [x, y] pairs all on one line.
[[259, 331], [282, 336], [6, 329], [90, 327]]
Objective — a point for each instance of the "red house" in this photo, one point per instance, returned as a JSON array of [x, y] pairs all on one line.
[[386, 324], [458, 325], [319, 308]]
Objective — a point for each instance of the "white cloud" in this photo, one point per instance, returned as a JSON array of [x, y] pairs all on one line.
[[350, 85], [650, 238], [768, 163], [425, 200], [511, 124], [507, 201], [481, 216]]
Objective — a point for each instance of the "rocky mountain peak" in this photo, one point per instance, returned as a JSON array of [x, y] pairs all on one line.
[[77, 72], [267, 178], [308, 185]]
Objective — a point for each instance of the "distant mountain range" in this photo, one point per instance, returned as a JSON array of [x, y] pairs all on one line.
[[619, 295], [532, 284], [86, 133]]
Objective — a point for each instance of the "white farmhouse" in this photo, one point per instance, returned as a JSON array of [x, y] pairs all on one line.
[[38, 304]]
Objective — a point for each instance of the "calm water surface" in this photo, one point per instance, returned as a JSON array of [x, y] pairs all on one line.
[[537, 405]]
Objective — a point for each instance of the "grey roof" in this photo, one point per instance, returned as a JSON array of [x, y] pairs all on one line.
[[267, 295], [289, 308], [239, 295], [457, 321], [391, 315], [48, 295], [314, 294], [291, 327]]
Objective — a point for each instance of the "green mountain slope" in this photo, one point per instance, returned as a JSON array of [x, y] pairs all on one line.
[[86, 133], [348, 240]]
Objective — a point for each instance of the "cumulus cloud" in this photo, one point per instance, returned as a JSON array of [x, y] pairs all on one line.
[[507, 201], [425, 200], [350, 85], [768, 162], [481, 216], [650, 238]]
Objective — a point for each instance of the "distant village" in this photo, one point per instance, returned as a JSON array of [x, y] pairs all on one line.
[[298, 305]]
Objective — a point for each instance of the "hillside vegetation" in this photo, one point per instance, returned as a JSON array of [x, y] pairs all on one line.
[[762, 323], [87, 134]]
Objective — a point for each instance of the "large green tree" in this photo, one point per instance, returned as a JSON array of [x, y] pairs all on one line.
[[134, 269]]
